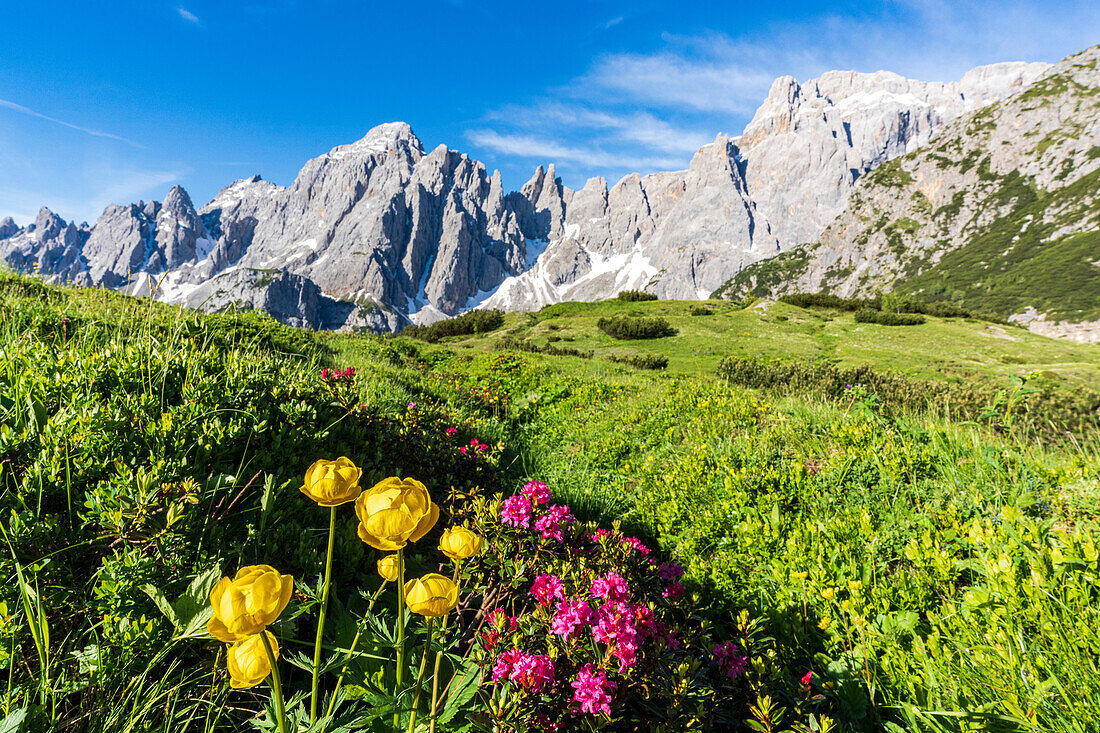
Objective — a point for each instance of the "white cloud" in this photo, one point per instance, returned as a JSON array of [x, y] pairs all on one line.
[[551, 150], [86, 130], [188, 15]]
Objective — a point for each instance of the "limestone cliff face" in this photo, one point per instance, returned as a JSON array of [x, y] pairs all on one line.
[[399, 234], [682, 234], [1000, 211]]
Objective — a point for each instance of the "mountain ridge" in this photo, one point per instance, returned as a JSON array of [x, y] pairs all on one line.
[[397, 234]]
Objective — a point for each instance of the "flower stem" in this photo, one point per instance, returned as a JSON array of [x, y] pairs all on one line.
[[321, 619], [439, 658], [351, 651], [420, 676], [276, 683], [400, 673]]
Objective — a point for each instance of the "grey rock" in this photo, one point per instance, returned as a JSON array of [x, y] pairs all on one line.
[[8, 227], [50, 247]]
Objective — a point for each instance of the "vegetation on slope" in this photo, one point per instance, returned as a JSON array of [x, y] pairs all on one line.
[[928, 572]]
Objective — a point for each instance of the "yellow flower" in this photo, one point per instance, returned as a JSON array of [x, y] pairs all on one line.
[[828, 593], [825, 623], [249, 602], [247, 661], [387, 568], [431, 595], [800, 575], [459, 543], [395, 512], [331, 483], [854, 586]]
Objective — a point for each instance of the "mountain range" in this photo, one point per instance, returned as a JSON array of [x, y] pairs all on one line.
[[381, 233]]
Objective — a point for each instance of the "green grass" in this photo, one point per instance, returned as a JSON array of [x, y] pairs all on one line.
[[943, 348], [934, 573]]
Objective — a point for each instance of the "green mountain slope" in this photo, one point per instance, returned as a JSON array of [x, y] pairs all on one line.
[[999, 213]]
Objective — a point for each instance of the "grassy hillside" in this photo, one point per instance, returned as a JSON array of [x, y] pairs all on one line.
[[941, 348], [930, 574]]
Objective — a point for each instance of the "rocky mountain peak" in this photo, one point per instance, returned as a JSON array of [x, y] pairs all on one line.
[[380, 139], [8, 227]]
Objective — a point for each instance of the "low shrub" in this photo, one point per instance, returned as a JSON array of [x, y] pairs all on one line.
[[470, 322], [888, 318], [635, 327], [640, 361], [887, 303], [700, 310], [511, 343], [635, 296]]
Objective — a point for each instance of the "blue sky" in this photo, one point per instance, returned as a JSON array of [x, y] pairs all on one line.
[[114, 102]]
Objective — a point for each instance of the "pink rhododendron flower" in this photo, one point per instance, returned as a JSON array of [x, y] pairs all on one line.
[[615, 627], [546, 588], [592, 691], [462, 450], [636, 545], [611, 587], [673, 591], [570, 617], [670, 571], [552, 525], [807, 677], [599, 534], [451, 431], [505, 662], [324, 373], [730, 659], [537, 492], [515, 511], [532, 671], [412, 405]]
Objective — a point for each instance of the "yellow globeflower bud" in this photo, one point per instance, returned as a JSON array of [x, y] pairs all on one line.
[[387, 568], [395, 512], [249, 602], [431, 595], [828, 593], [331, 483], [459, 543], [247, 661]]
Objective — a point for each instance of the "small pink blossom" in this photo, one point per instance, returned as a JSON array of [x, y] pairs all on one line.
[[806, 678], [730, 659], [505, 662], [462, 450], [615, 628], [537, 492], [546, 588], [599, 534], [636, 545], [673, 591], [670, 571], [532, 671], [570, 617], [552, 525], [591, 690], [515, 511], [412, 405], [611, 587], [451, 431]]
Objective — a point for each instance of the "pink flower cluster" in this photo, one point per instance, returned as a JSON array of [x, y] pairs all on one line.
[[475, 446], [529, 671], [499, 623], [730, 659], [570, 617], [451, 431], [636, 545], [592, 691], [546, 588], [337, 375], [611, 587], [552, 520]]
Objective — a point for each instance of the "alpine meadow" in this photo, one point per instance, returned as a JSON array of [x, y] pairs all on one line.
[[801, 438]]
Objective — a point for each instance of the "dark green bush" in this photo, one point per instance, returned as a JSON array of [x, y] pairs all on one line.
[[636, 296], [635, 327], [470, 322], [937, 308], [888, 318], [700, 310], [511, 343], [640, 361]]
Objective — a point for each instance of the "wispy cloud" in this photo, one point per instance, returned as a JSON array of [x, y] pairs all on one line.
[[188, 15], [547, 149], [86, 130]]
